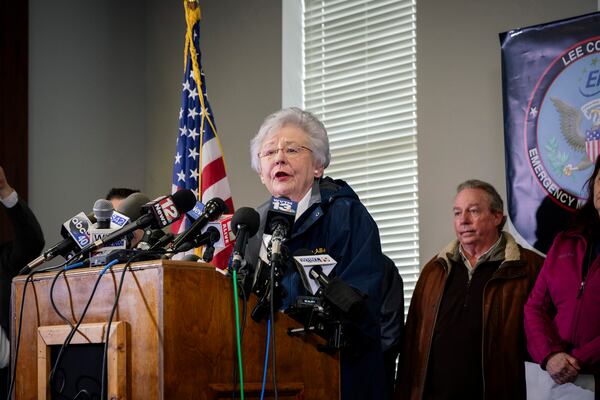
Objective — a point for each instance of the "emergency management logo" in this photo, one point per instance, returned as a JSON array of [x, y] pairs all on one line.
[[562, 125]]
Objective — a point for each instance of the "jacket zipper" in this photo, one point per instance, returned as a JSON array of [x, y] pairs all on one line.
[[577, 312], [437, 309], [483, 321]]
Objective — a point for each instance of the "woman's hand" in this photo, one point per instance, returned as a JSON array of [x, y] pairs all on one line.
[[563, 368]]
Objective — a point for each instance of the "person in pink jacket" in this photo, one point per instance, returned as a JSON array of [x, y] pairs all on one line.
[[562, 314]]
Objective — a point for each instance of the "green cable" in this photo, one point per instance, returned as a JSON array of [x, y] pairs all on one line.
[[237, 327]]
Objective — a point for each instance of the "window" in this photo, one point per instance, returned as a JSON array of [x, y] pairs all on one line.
[[359, 78]]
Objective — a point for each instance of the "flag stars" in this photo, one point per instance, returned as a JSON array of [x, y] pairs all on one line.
[[181, 176], [195, 191], [192, 112], [177, 158], [193, 93], [180, 113], [183, 131], [204, 112], [193, 134], [533, 112], [193, 154], [194, 174], [186, 86]]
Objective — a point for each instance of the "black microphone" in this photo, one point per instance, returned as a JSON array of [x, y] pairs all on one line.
[[150, 238], [207, 238], [317, 274], [156, 214], [244, 223], [75, 232], [280, 219], [350, 301], [162, 242], [212, 210], [347, 299]]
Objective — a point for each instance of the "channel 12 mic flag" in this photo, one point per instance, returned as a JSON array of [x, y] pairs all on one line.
[[199, 164], [551, 97]]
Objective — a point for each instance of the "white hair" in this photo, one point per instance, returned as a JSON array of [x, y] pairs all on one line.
[[304, 120]]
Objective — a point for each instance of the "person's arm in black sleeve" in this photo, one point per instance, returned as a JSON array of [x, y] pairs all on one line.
[[28, 239]]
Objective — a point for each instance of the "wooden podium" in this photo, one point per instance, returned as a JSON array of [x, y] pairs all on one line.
[[173, 336]]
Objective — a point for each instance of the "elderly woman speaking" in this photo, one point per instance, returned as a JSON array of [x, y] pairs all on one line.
[[290, 153]]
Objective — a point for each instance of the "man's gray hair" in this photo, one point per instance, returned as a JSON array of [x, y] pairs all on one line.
[[304, 120], [496, 203]]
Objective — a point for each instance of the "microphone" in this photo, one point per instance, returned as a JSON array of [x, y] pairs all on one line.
[[305, 260], [150, 238], [212, 210], [350, 301], [245, 223], [208, 238], [131, 206], [280, 219], [156, 214], [162, 242], [75, 232], [103, 211]]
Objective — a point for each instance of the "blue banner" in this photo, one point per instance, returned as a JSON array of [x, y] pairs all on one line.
[[551, 98]]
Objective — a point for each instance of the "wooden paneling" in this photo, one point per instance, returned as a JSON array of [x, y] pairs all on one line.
[[182, 342]]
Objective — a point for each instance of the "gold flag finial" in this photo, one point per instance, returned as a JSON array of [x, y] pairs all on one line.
[[192, 4]]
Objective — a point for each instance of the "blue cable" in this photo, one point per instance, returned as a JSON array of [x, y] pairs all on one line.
[[264, 381], [107, 266], [75, 265]]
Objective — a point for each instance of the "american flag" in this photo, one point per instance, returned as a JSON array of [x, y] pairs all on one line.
[[199, 164], [592, 143]]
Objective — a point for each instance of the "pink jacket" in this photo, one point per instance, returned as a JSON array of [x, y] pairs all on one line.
[[557, 316]]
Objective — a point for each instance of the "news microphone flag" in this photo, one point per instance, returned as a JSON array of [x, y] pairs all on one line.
[[199, 164]]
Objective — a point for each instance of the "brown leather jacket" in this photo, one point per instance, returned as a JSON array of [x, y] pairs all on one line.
[[503, 341]]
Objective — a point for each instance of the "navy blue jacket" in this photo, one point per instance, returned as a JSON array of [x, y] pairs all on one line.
[[338, 224]]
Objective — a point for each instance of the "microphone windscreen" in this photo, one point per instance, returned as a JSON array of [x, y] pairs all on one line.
[[246, 216], [215, 207], [131, 206], [103, 210], [184, 200]]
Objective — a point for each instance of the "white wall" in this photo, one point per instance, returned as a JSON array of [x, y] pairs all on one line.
[[459, 100], [86, 105]]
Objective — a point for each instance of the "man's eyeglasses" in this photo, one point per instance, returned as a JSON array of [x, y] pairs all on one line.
[[290, 151]]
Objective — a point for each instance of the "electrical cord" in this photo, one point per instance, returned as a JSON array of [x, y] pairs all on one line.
[[75, 328], [266, 366], [112, 312], [14, 366], [272, 325], [242, 328], [238, 333]]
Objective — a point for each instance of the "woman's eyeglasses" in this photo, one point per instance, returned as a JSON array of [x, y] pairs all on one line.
[[290, 151]]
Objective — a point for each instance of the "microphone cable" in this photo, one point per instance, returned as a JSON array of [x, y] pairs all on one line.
[[234, 373], [272, 330], [14, 366], [238, 332], [113, 311], [29, 279], [75, 328], [266, 366]]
